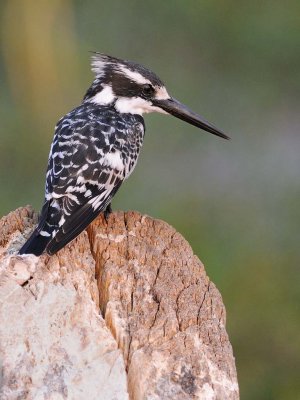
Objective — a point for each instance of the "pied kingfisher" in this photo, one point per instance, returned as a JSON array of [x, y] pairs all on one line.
[[96, 147]]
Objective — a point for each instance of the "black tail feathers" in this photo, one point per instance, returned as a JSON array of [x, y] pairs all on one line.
[[36, 244]]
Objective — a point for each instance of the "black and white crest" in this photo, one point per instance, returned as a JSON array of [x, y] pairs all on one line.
[[96, 147], [111, 68]]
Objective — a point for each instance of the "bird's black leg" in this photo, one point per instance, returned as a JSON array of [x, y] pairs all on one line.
[[107, 212]]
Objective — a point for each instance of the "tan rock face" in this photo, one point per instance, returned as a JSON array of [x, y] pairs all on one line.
[[53, 342], [166, 315], [160, 309]]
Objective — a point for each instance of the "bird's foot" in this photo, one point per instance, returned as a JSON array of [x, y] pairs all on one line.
[[107, 212]]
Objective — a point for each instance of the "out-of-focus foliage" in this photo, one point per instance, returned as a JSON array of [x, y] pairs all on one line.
[[237, 202]]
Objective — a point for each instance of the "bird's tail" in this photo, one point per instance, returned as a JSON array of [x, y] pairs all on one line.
[[36, 244]]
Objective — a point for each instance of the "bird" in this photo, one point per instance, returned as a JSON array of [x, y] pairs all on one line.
[[96, 147]]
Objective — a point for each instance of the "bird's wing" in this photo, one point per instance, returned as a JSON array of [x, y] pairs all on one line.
[[86, 168]]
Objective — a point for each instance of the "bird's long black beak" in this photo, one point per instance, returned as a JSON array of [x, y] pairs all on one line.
[[174, 107]]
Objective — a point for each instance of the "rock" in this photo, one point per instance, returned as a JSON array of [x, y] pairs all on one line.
[[162, 335], [53, 342], [166, 315]]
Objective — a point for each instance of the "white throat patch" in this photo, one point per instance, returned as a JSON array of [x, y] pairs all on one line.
[[106, 96], [136, 105]]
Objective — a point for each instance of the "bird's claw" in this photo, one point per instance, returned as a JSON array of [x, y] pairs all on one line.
[[107, 212]]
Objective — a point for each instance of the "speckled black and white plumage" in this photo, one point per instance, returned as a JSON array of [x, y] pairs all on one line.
[[93, 151], [96, 147]]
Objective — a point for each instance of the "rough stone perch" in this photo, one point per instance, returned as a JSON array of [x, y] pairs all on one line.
[[126, 311]]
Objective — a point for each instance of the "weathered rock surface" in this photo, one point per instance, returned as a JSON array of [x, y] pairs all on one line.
[[163, 334], [53, 342], [166, 315]]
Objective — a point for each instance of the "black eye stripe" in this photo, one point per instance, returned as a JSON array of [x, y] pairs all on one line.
[[122, 86], [125, 87]]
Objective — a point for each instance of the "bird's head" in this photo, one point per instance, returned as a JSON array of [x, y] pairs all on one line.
[[133, 89]]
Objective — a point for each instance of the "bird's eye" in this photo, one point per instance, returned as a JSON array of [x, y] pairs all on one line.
[[148, 90]]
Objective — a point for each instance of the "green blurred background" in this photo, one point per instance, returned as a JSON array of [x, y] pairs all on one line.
[[237, 202]]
